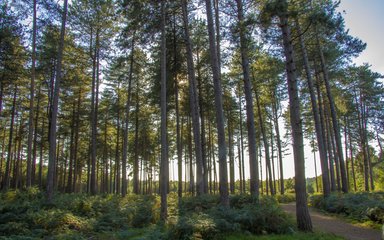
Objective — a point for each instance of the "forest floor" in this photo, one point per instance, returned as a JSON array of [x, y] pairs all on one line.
[[329, 224]]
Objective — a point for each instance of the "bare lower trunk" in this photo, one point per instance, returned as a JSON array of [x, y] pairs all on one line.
[[52, 137], [223, 172], [304, 222], [335, 124], [315, 112], [164, 174], [194, 105], [254, 171]]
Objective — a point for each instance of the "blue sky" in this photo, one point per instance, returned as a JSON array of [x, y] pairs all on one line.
[[365, 19]]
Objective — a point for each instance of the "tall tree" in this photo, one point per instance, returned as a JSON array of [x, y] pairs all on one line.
[[52, 133], [303, 218], [164, 168], [223, 172], [253, 165], [194, 104], [31, 100]]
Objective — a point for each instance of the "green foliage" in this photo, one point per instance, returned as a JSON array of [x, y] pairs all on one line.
[[80, 216], [361, 207], [205, 219], [286, 198]]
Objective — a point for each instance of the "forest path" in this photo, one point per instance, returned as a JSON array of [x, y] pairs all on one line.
[[336, 226]]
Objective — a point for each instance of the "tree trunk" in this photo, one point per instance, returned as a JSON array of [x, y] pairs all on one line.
[[93, 186], [7, 176], [136, 180], [315, 112], [351, 154], [194, 105], [224, 199], [330, 151], [34, 156], [254, 171], [335, 123], [71, 150], [266, 146], [125, 137], [164, 168], [31, 100], [52, 133], [304, 222]]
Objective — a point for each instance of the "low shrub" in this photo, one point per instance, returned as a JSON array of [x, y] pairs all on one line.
[[357, 206], [286, 198]]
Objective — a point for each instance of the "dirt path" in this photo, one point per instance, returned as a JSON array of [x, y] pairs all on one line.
[[336, 226]]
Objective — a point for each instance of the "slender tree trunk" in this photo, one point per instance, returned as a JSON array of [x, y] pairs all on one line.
[[164, 167], [136, 180], [71, 150], [40, 178], [278, 143], [76, 145], [254, 171], [7, 175], [302, 214], [194, 105], [336, 159], [93, 180], [31, 100], [117, 153], [52, 133], [224, 199], [178, 134], [191, 174], [335, 123], [231, 160], [316, 118], [34, 156], [266, 146], [330, 151], [351, 154], [125, 138]]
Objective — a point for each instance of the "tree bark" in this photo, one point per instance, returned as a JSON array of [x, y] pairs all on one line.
[[7, 176], [315, 112], [52, 133], [266, 147], [224, 199], [31, 100], [125, 138], [194, 105], [304, 222], [254, 170], [164, 168], [335, 123]]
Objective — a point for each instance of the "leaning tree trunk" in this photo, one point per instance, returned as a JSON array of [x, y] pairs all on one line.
[[223, 172], [254, 170], [304, 222], [335, 123], [52, 132], [315, 112]]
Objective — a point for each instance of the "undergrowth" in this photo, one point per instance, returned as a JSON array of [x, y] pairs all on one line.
[[26, 215], [365, 208]]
